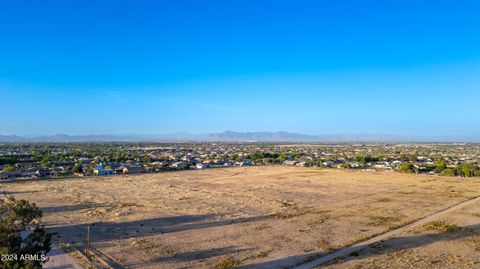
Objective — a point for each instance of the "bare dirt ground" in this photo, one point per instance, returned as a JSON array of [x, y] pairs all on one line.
[[449, 242], [253, 217]]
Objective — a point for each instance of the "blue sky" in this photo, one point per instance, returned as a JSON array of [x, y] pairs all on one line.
[[315, 67]]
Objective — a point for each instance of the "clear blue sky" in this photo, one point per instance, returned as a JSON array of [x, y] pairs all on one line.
[[315, 67]]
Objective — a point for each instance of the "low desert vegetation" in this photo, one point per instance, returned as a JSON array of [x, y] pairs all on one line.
[[234, 215], [441, 226], [22, 235], [227, 263], [377, 220], [60, 160]]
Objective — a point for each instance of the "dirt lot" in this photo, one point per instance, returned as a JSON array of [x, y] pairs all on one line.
[[256, 216], [449, 242]]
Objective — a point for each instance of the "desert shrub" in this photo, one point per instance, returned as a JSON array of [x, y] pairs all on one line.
[[15, 219], [466, 170], [366, 159], [440, 167], [407, 168], [380, 220], [448, 172], [227, 263], [441, 226], [345, 166]]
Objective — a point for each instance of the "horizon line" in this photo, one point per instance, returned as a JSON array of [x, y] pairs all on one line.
[[252, 136]]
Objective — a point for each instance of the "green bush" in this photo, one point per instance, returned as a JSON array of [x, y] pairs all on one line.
[[16, 216], [448, 172], [440, 167], [407, 168], [441, 226], [345, 166]]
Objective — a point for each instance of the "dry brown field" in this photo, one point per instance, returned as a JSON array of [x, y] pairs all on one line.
[[452, 241], [263, 217]]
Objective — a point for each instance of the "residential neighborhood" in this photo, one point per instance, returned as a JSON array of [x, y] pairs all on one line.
[[56, 160]]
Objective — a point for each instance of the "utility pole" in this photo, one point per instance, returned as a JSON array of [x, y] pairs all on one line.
[[87, 242]]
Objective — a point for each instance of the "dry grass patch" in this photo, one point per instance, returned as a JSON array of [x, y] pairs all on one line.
[[227, 263], [263, 254], [324, 245], [441, 226], [192, 218], [476, 215], [377, 220]]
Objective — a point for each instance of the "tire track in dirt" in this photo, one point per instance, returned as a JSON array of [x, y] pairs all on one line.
[[359, 246]]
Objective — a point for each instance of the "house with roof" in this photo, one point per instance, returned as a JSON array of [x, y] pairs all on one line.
[[6, 176], [132, 169], [102, 171], [42, 172], [202, 165], [179, 165]]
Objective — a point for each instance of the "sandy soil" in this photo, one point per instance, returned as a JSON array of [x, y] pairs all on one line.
[[449, 242], [255, 216]]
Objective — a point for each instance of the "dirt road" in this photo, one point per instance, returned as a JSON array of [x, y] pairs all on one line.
[[58, 259], [357, 247], [252, 217]]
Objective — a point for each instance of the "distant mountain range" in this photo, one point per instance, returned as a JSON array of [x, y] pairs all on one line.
[[66, 138], [231, 136]]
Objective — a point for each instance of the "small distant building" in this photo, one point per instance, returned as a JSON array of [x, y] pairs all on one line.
[[248, 163], [328, 163], [420, 167], [100, 171], [118, 170], [202, 165], [132, 169], [6, 176], [42, 172], [397, 162], [84, 160], [290, 162], [421, 159], [244, 163], [179, 165], [355, 165], [24, 165], [10, 175]]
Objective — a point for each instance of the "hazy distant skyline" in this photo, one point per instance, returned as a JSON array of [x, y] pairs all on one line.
[[312, 67]]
